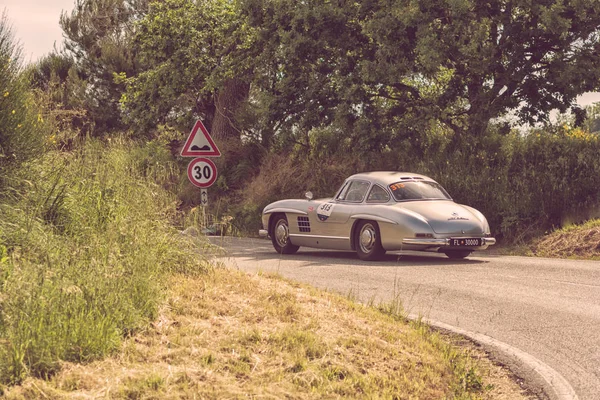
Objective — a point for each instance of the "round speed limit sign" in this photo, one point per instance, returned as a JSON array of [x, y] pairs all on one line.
[[202, 172]]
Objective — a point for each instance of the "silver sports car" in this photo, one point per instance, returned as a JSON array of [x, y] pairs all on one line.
[[376, 212]]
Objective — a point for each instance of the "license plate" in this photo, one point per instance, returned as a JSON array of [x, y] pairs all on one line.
[[471, 242]]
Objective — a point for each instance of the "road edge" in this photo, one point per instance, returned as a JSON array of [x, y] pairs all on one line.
[[554, 384]]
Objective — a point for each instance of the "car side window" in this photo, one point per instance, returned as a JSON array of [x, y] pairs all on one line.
[[342, 192], [354, 192], [378, 195]]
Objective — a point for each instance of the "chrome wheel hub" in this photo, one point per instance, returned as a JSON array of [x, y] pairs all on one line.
[[282, 233], [367, 238]]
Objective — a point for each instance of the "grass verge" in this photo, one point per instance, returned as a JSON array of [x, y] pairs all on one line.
[[86, 242], [574, 241], [233, 335]]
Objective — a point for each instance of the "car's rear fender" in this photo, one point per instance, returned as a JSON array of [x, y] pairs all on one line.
[[368, 217], [394, 225], [407, 225]]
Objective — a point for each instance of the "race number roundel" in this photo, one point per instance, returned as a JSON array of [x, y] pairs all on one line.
[[202, 172]]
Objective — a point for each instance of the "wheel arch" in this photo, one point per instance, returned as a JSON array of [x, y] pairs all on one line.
[[353, 232], [272, 218], [355, 225]]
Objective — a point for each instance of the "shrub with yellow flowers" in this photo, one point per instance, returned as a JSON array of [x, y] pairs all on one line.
[[21, 135]]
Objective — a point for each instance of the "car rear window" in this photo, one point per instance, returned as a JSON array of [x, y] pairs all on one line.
[[422, 190]]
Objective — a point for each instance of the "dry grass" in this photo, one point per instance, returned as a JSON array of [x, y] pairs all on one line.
[[232, 335], [575, 241], [285, 174]]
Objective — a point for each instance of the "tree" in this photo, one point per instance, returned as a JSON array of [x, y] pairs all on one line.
[[461, 63], [98, 34], [193, 67], [502, 55], [307, 74]]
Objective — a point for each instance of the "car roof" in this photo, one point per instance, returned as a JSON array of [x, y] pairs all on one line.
[[385, 178]]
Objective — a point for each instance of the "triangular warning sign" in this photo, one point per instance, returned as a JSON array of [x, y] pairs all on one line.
[[199, 143]]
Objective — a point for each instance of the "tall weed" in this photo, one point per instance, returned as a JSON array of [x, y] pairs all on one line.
[[87, 240]]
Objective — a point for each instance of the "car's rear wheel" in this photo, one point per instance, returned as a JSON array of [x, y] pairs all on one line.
[[280, 235], [367, 241], [458, 254]]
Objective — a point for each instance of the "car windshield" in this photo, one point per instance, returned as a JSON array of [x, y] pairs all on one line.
[[424, 190]]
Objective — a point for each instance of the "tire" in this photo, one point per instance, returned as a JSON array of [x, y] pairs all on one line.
[[367, 241], [458, 254], [280, 235]]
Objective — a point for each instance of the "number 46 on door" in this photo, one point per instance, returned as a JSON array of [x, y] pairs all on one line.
[[202, 172]]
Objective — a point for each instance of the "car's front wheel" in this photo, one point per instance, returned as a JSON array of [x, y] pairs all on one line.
[[458, 254], [280, 236], [367, 241]]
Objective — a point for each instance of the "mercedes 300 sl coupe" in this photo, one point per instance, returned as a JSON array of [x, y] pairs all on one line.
[[375, 212]]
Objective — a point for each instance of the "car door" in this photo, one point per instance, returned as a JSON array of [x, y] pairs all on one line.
[[334, 216]]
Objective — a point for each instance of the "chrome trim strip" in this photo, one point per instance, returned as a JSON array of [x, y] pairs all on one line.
[[285, 210], [426, 242], [263, 233], [374, 218], [319, 237]]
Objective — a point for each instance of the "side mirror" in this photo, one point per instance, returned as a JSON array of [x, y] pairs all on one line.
[[308, 195]]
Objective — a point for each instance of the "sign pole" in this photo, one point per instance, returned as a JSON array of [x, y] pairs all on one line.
[[202, 171], [203, 197]]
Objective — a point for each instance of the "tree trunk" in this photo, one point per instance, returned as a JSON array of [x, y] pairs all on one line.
[[227, 101]]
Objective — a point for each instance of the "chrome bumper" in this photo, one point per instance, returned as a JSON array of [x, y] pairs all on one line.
[[263, 233], [488, 241]]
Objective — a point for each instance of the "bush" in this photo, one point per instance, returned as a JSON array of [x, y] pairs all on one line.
[[525, 184], [20, 122], [84, 244]]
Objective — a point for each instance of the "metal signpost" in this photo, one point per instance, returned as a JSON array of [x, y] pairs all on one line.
[[202, 172]]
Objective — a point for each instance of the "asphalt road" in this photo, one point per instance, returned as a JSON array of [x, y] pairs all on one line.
[[546, 308]]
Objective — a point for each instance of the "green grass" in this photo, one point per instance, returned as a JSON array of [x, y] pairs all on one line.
[[226, 334], [593, 223], [85, 243]]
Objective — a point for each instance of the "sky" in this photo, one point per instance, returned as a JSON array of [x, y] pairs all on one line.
[[35, 25]]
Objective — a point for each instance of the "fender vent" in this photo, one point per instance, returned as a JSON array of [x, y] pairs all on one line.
[[303, 224]]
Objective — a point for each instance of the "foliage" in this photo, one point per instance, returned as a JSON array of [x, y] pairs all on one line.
[[307, 72], [525, 185], [98, 35], [61, 87], [592, 121], [380, 71], [193, 67], [85, 241], [377, 73], [21, 127]]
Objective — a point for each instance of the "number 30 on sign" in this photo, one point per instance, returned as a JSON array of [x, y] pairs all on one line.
[[202, 172]]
